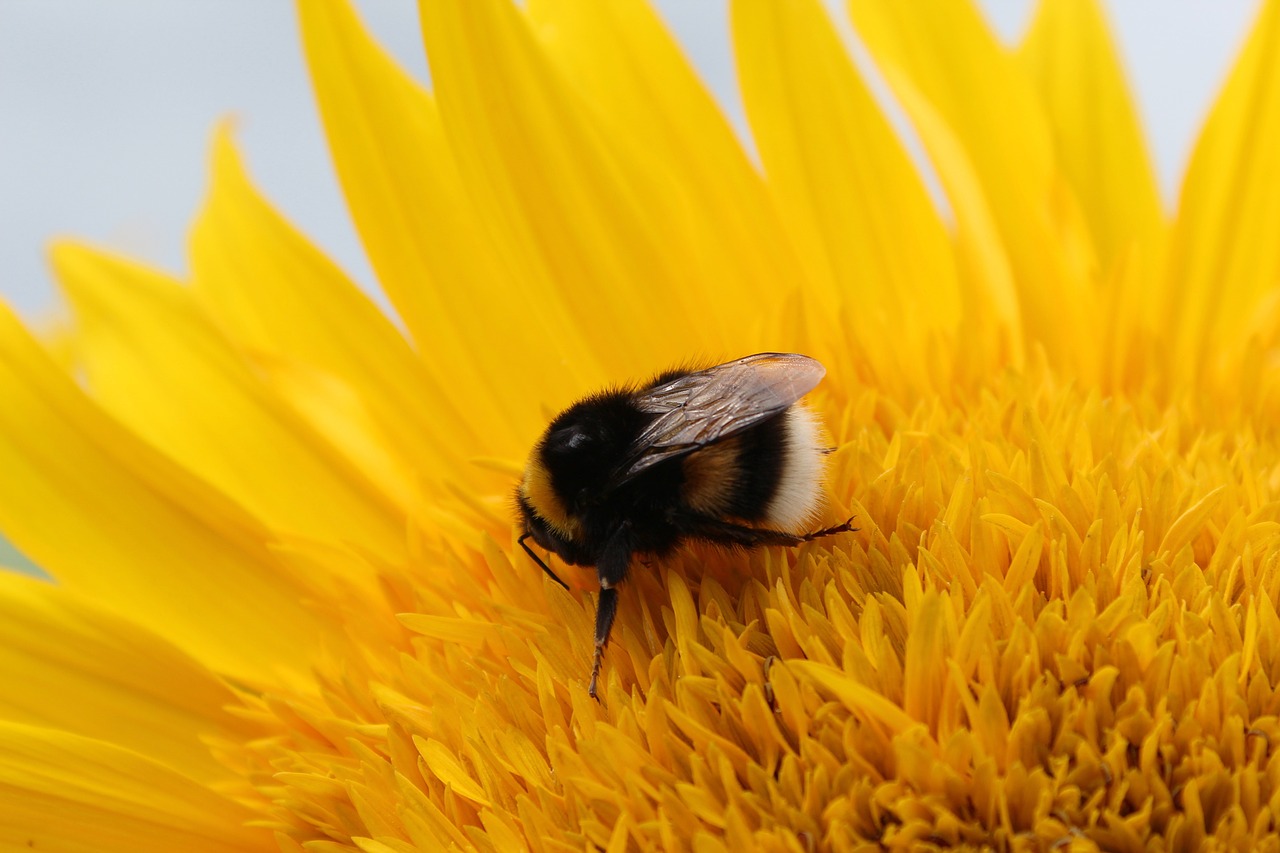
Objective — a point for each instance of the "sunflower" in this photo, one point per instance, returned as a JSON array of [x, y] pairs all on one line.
[[289, 613]]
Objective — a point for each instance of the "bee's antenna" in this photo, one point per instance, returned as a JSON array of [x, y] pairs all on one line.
[[538, 560]]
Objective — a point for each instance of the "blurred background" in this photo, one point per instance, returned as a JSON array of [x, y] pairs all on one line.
[[106, 111]]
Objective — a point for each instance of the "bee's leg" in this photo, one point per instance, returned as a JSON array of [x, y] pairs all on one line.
[[847, 527], [606, 609], [538, 560], [728, 533], [612, 569]]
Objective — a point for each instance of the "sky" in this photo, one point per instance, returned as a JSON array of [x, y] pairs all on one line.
[[106, 111]]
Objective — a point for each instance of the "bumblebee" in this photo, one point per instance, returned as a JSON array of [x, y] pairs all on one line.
[[727, 455]]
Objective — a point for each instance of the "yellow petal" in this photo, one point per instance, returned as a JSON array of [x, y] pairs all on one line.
[[925, 664], [1190, 523], [156, 362], [87, 672], [608, 225], [852, 198], [991, 325], [1224, 257], [438, 255], [67, 793], [150, 540], [858, 698], [945, 51], [276, 293], [622, 59], [337, 412], [1071, 58], [446, 767]]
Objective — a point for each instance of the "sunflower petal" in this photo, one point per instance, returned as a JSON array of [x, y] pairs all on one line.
[[947, 54], [67, 793], [625, 62], [991, 308], [278, 294], [436, 252], [1225, 258], [1070, 56], [851, 196], [156, 362], [90, 673], [868, 704], [609, 226], [136, 517], [925, 664]]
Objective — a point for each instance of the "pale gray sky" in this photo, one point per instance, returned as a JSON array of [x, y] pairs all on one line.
[[106, 109]]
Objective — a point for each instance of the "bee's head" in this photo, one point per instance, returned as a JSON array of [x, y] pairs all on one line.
[[543, 516], [582, 448], [569, 469], [550, 496]]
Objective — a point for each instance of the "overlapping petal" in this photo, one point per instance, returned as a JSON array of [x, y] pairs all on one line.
[[850, 215], [1224, 260], [114, 519], [289, 307], [87, 672], [157, 362], [436, 251], [617, 235], [956, 65], [1097, 141], [72, 794], [619, 57]]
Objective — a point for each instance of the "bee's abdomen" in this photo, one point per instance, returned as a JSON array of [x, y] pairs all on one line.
[[797, 497], [769, 474]]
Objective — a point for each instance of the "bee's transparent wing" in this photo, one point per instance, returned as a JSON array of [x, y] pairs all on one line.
[[708, 406]]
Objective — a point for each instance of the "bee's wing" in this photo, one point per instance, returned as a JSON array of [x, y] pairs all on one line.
[[698, 409]]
